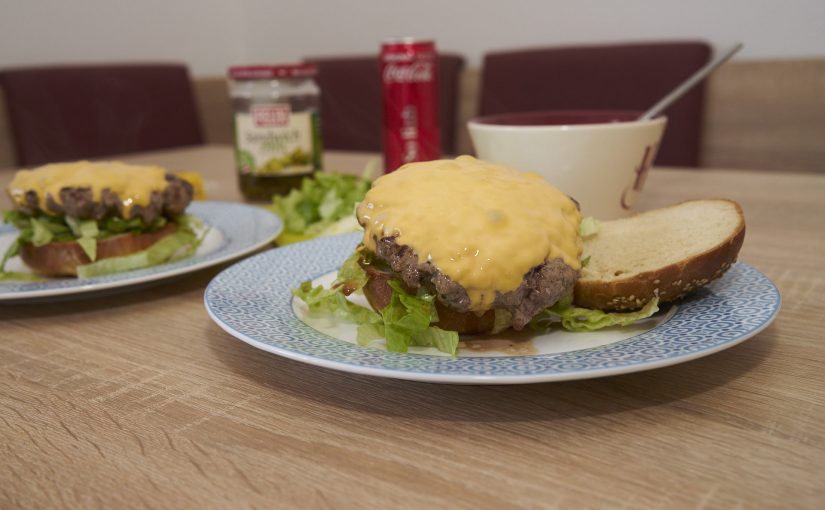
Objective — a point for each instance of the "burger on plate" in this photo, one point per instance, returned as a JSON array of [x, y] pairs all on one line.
[[90, 218], [458, 247], [482, 238], [468, 247]]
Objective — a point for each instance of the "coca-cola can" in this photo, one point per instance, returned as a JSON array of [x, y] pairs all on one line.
[[409, 84]]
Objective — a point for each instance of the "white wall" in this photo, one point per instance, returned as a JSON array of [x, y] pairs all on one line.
[[210, 35], [206, 34]]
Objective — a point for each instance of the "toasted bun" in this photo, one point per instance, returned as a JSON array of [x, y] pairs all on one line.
[[62, 258], [378, 293], [666, 252]]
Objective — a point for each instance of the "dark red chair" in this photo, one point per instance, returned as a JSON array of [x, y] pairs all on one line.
[[74, 112], [620, 76], [351, 101]]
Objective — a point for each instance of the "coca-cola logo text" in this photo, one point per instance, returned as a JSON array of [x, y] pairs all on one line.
[[417, 72]]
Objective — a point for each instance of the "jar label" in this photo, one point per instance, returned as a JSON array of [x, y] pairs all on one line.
[[271, 139]]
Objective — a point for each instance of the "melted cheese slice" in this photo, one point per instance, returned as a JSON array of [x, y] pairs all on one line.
[[133, 184], [483, 225]]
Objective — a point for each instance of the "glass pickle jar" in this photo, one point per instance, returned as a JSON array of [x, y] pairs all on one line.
[[277, 127]]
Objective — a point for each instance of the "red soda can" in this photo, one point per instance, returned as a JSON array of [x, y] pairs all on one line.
[[409, 84]]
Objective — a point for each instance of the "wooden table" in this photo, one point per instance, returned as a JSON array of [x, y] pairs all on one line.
[[139, 400]]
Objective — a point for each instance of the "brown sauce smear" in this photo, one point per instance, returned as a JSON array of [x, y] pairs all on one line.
[[511, 343]]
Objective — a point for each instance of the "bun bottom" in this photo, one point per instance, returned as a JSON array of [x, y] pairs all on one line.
[[62, 258], [378, 292]]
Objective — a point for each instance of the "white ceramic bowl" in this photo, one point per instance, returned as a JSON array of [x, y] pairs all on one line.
[[598, 157]]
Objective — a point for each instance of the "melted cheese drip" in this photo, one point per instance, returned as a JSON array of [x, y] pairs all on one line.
[[483, 225], [133, 184]]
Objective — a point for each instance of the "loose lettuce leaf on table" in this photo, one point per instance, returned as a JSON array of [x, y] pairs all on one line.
[[323, 205]]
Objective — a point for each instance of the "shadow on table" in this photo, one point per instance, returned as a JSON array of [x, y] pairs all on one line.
[[544, 401]]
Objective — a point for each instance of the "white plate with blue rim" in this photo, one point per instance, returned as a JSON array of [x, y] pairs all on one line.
[[234, 230], [251, 300]]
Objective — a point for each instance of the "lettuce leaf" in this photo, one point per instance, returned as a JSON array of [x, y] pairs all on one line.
[[12, 251], [441, 339], [14, 276], [406, 317], [404, 322], [503, 319], [589, 226], [89, 245], [41, 235], [114, 225], [171, 247], [86, 232], [369, 332], [334, 302], [322, 205], [179, 245], [584, 319], [351, 276], [66, 228]]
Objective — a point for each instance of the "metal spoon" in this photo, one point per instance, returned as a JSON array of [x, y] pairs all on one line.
[[688, 84]]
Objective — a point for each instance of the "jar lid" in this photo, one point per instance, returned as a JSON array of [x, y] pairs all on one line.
[[269, 71]]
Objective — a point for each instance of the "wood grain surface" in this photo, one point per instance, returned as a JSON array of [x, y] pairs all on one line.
[[138, 400]]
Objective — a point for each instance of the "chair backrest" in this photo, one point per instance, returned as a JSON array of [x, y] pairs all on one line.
[[616, 76], [766, 115], [351, 101], [74, 112]]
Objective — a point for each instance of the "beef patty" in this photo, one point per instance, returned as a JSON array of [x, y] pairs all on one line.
[[541, 287], [79, 202]]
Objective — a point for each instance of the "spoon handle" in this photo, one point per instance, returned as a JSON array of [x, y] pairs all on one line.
[[690, 82]]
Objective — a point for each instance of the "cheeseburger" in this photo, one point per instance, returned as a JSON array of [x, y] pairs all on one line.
[[482, 238], [71, 215]]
